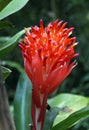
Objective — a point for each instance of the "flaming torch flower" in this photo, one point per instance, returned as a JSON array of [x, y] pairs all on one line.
[[47, 54]]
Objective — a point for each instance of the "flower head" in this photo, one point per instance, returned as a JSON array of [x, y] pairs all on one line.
[[47, 54]]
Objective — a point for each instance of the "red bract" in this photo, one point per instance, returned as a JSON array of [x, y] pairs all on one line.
[[47, 54]]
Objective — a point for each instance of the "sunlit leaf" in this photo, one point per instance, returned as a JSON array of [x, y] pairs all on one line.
[[12, 7], [68, 104], [22, 103], [73, 118]]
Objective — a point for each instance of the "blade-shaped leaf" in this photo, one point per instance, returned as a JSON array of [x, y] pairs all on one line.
[[73, 118], [50, 116], [13, 64], [22, 103], [3, 3], [6, 47], [12, 7], [3, 39], [68, 104], [5, 72]]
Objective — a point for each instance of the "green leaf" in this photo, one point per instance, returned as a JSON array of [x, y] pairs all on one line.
[[5, 72], [13, 64], [6, 47], [73, 118], [50, 116], [68, 104], [12, 7], [3, 3], [3, 39], [22, 103]]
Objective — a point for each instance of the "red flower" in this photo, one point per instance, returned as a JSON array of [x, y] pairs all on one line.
[[47, 54]]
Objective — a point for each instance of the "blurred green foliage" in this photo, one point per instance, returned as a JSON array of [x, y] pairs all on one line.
[[76, 13]]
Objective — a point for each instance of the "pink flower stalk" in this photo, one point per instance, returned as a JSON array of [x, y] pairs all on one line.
[[47, 54]]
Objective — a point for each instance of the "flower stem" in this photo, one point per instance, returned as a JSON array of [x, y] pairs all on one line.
[[38, 113]]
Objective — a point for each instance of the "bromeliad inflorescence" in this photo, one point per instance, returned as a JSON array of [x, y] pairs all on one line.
[[47, 54]]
